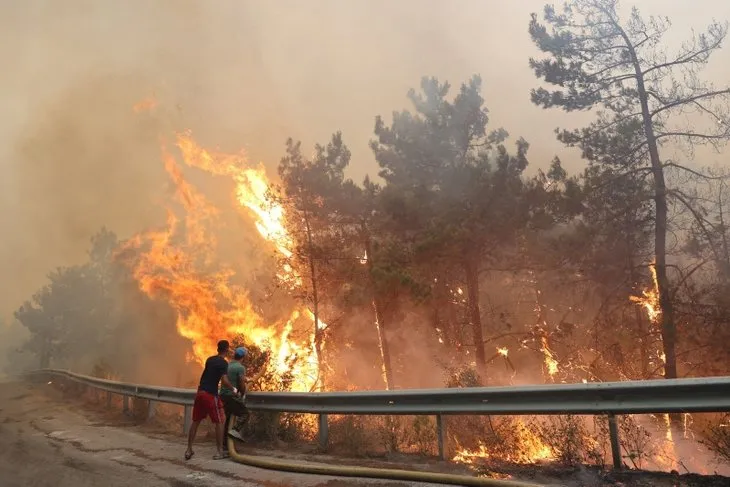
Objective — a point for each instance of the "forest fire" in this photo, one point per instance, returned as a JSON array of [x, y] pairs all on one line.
[[178, 264], [252, 193], [551, 363], [462, 255], [649, 298], [252, 187], [529, 448]]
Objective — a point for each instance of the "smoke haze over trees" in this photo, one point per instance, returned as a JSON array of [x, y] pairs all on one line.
[[238, 74], [458, 233], [463, 237]]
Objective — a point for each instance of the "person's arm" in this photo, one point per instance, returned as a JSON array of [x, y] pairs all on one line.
[[261, 371], [242, 384], [258, 376]]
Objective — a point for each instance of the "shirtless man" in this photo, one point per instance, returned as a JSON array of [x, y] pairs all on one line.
[[208, 403]]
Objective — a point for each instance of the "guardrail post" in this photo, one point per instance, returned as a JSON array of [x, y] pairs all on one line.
[[108, 399], [441, 436], [615, 445], [125, 406], [323, 431], [150, 409], [187, 419]]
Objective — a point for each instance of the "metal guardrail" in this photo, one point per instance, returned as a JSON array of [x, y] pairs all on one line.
[[710, 394]]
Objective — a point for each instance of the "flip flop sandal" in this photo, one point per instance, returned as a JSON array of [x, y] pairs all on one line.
[[189, 455], [220, 456]]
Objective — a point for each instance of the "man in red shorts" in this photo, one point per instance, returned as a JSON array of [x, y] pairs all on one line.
[[208, 403]]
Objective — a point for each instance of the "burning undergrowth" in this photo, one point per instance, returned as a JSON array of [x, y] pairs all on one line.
[[499, 443]]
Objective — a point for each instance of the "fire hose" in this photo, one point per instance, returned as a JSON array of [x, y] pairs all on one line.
[[367, 472]]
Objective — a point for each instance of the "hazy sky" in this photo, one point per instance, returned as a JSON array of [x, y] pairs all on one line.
[[73, 156]]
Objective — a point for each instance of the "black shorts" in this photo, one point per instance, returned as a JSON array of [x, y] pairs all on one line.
[[234, 405]]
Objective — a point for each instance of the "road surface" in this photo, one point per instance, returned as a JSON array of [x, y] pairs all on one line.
[[46, 442]]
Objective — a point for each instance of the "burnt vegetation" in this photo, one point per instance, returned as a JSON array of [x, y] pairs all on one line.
[[462, 266]]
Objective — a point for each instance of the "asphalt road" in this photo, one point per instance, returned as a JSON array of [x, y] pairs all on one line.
[[46, 442]]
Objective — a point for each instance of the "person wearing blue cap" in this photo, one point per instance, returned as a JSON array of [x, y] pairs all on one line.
[[233, 400]]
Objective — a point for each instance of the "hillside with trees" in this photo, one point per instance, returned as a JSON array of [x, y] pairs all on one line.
[[461, 263]]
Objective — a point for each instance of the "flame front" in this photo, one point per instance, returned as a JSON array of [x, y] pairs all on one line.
[[178, 264], [529, 448], [649, 298]]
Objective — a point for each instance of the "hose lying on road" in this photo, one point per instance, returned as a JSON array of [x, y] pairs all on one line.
[[366, 472]]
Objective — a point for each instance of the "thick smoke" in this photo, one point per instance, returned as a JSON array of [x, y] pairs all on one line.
[[74, 156]]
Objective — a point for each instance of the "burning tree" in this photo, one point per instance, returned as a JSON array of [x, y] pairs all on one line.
[[456, 238], [330, 220], [311, 189], [597, 59]]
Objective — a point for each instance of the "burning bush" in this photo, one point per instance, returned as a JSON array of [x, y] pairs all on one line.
[[568, 439]]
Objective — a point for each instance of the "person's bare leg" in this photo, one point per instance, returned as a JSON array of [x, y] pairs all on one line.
[[219, 437], [191, 437], [226, 429]]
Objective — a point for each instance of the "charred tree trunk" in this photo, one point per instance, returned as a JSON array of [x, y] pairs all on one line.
[[472, 283], [644, 335], [442, 311], [457, 323], [379, 319], [668, 326], [643, 332], [318, 332]]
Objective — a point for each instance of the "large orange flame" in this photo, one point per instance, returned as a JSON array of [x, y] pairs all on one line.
[[178, 264]]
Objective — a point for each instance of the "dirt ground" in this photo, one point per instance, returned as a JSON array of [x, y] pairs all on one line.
[[51, 436], [47, 439]]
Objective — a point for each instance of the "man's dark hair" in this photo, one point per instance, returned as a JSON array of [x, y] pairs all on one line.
[[223, 346]]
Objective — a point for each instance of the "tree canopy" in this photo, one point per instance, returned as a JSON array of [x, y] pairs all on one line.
[[464, 255]]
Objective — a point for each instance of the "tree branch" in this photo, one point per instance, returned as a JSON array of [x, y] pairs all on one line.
[[699, 174], [692, 135], [686, 276], [688, 58], [676, 103], [698, 218]]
